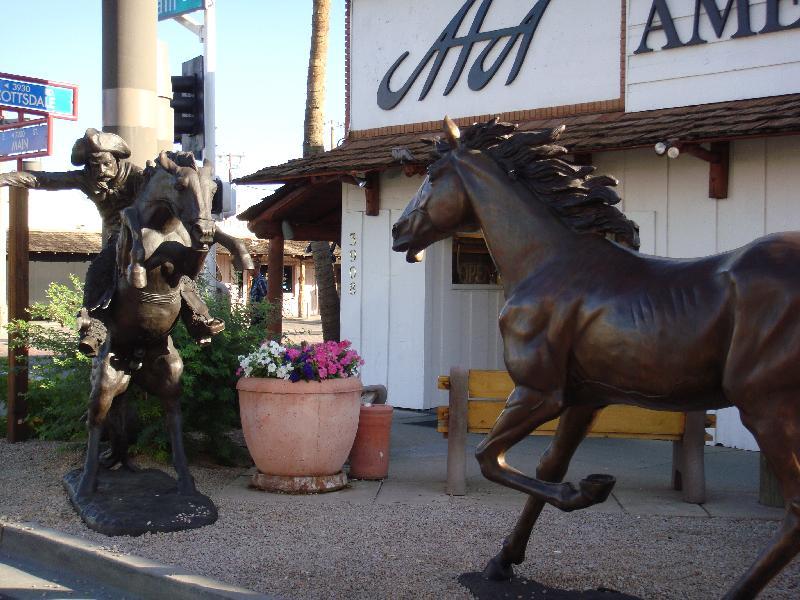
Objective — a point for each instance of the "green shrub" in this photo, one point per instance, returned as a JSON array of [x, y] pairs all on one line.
[[59, 387], [210, 406], [3, 393]]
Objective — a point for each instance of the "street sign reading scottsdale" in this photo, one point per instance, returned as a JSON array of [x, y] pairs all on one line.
[[38, 96], [173, 8]]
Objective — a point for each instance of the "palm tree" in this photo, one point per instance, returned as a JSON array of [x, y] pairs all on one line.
[[312, 144]]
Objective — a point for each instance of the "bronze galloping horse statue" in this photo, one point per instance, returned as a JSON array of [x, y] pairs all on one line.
[[166, 234], [589, 322]]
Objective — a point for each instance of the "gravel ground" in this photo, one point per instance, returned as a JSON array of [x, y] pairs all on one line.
[[341, 550]]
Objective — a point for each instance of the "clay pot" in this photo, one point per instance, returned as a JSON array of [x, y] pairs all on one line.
[[301, 429], [369, 458]]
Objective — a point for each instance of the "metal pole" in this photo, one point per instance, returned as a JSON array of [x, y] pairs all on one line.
[[209, 124], [209, 77]]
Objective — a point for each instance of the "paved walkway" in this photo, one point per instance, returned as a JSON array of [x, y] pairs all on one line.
[[416, 488], [642, 468]]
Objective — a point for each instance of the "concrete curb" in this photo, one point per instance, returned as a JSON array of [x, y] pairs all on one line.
[[142, 577]]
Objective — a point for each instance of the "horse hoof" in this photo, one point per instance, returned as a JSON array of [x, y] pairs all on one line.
[[597, 487], [137, 276], [497, 570]]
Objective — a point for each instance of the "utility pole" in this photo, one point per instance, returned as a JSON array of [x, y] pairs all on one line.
[[129, 75]]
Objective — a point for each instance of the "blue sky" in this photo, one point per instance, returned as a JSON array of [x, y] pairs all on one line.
[[262, 61]]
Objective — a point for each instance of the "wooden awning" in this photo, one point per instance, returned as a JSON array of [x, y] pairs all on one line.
[[585, 133], [309, 209]]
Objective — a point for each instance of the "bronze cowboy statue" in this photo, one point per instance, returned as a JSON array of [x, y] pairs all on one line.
[[589, 322], [112, 182]]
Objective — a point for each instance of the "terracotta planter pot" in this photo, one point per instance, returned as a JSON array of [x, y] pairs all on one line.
[[302, 429], [369, 458]]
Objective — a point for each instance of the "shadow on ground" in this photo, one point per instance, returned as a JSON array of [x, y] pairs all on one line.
[[527, 589]]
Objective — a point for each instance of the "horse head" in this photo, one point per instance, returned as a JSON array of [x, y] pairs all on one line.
[[191, 205], [440, 207]]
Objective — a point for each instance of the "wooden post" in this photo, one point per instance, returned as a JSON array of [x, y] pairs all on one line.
[[301, 283], [769, 490], [693, 459], [457, 432], [275, 285], [17, 304]]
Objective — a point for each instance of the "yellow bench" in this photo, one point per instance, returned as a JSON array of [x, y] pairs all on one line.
[[477, 397]]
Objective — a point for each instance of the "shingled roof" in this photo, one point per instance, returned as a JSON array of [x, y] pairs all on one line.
[[258, 247], [89, 243], [65, 242], [585, 133]]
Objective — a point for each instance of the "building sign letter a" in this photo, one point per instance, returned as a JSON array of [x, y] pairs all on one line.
[[479, 76]]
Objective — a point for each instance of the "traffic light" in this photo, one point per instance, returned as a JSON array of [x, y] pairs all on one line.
[[223, 205], [188, 101]]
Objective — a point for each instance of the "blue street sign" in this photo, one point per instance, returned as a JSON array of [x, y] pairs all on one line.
[[41, 98], [24, 139], [172, 8]]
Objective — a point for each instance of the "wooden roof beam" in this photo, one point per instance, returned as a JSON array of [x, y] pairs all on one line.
[[370, 183], [718, 159]]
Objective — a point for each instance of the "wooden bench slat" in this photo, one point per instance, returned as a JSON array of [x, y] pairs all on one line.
[[487, 391], [613, 421], [489, 384]]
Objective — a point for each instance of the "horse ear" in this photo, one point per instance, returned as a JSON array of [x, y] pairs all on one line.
[[452, 132], [167, 163]]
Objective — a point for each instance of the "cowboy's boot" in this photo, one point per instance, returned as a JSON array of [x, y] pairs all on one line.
[[194, 312], [91, 334]]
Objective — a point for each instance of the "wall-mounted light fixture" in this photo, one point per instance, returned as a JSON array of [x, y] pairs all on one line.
[[671, 149], [717, 156], [286, 230]]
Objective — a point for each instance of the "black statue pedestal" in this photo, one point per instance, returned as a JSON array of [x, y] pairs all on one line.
[[527, 589], [133, 503]]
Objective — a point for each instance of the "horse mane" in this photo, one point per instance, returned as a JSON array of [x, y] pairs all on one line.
[[584, 202]]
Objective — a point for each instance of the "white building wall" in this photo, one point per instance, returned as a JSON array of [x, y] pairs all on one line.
[[43, 273], [573, 37], [411, 323], [763, 198], [723, 68], [383, 300], [464, 329]]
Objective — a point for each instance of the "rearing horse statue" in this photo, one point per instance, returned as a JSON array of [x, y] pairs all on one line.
[[589, 322], [166, 235]]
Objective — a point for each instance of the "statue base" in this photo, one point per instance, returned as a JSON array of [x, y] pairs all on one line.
[[133, 503], [527, 589]]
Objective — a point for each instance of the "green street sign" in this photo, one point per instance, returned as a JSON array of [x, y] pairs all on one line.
[[172, 8]]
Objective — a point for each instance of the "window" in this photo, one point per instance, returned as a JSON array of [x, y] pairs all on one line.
[[472, 264], [287, 285], [288, 280]]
